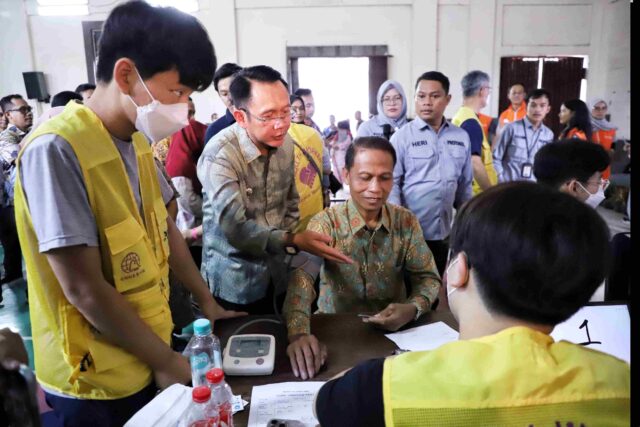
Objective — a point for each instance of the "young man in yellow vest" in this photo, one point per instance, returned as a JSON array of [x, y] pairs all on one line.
[[97, 241], [505, 369], [475, 90]]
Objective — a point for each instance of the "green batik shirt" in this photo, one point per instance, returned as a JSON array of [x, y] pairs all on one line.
[[383, 258]]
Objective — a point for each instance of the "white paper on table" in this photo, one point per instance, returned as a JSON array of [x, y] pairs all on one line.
[[427, 337], [291, 400], [607, 324], [165, 410]]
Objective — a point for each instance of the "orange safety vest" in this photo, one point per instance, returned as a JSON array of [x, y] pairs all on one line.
[[510, 116], [604, 138]]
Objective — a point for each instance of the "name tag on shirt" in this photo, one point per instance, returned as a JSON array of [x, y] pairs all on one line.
[[458, 143], [419, 143], [526, 170]]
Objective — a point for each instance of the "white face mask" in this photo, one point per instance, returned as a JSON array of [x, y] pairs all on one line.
[[594, 199], [158, 121], [449, 292]]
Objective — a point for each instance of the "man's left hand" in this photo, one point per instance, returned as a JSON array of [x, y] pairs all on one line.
[[393, 317]]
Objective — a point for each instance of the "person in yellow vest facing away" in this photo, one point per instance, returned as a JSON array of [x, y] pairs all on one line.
[[505, 369], [475, 91], [96, 238], [307, 164], [517, 108]]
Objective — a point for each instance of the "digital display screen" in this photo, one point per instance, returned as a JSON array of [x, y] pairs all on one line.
[[249, 347]]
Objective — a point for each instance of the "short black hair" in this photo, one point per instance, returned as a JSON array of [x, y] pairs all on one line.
[[7, 101], [85, 86], [554, 250], [225, 70], [581, 117], [303, 92], [436, 76], [157, 39], [559, 162], [62, 98], [294, 97], [240, 87], [368, 143], [537, 94]]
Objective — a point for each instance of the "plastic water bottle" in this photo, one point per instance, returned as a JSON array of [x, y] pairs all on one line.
[[221, 396], [202, 412], [203, 351]]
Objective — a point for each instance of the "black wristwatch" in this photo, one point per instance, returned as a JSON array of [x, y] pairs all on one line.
[[289, 247]]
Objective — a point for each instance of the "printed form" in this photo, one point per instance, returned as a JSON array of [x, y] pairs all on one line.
[[291, 401]]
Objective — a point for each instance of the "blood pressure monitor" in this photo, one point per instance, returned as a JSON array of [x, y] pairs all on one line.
[[252, 354]]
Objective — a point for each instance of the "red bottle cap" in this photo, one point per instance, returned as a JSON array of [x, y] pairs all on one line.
[[215, 375], [201, 394]]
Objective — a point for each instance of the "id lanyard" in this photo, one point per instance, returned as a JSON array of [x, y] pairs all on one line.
[[526, 169]]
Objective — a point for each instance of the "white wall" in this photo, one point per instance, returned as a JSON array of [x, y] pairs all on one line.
[[15, 46], [453, 36]]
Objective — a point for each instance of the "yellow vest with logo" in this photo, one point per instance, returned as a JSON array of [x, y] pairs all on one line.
[[517, 377], [72, 357], [308, 182], [464, 114]]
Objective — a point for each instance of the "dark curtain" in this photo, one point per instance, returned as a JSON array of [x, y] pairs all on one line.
[[562, 79]]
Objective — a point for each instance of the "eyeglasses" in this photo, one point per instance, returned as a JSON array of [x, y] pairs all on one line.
[[25, 109], [269, 120], [394, 100]]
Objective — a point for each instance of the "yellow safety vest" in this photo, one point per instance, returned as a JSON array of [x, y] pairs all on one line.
[[517, 377], [464, 114], [308, 182], [72, 357]]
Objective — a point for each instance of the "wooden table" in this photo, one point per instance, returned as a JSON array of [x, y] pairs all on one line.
[[348, 340]]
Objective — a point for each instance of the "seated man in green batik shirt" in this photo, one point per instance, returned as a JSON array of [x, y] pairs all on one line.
[[387, 245]]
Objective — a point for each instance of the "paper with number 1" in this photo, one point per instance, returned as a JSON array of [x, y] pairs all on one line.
[[599, 327]]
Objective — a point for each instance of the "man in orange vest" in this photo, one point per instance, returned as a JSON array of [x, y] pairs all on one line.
[[515, 111]]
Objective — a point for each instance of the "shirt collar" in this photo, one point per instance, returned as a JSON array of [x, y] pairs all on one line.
[[229, 116], [16, 130], [527, 123], [422, 124], [248, 149], [357, 223]]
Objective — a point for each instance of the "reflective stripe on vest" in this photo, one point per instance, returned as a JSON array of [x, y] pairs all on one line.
[[462, 115], [71, 357], [517, 377]]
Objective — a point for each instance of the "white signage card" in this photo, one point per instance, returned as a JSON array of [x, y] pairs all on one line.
[[599, 327]]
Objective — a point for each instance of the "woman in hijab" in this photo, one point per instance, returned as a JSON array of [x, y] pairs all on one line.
[[392, 112], [604, 133], [574, 114]]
